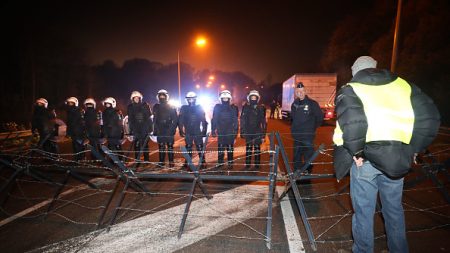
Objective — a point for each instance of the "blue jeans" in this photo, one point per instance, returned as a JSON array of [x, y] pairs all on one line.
[[365, 183]]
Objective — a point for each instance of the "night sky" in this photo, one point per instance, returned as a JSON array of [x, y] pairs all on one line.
[[256, 37]]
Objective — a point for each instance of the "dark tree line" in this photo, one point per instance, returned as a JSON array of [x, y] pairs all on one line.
[[47, 66], [424, 45], [56, 81]]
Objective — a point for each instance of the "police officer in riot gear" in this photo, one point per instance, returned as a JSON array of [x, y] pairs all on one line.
[[192, 124], [139, 114], [306, 118], [224, 123], [75, 126], [112, 124], [165, 121], [42, 123], [93, 122], [253, 127]]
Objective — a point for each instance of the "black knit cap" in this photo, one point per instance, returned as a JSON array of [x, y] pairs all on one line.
[[300, 85]]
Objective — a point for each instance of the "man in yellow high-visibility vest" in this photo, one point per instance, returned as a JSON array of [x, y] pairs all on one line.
[[382, 122]]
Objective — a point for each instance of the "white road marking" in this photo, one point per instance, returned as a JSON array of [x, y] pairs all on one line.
[[97, 181], [158, 232], [293, 235], [45, 202]]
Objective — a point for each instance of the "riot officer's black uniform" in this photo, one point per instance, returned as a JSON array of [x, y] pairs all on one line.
[[165, 122], [112, 125], [43, 122], [225, 124], [139, 114], [76, 127], [253, 127], [93, 120], [192, 125]]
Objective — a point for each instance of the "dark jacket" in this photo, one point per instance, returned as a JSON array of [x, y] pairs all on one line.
[[225, 119], [165, 120], [139, 119], [253, 121], [192, 120], [92, 119], [43, 121], [391, 157], [112, 123], [306, 116], [75, 122]]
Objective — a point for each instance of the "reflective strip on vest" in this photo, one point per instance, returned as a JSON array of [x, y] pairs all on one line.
[[337, 136], [388, 109]]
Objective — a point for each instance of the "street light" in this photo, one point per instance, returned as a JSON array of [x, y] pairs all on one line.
[[201, 43]]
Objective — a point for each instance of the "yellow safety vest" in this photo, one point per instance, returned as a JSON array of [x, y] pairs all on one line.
[[388, 109]]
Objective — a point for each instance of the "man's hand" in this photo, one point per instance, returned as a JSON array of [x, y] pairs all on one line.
[[359, 161]]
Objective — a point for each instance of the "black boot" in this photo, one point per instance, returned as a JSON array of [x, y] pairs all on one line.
[[220, 155], [136, 148], [145, 152], [202, 155], [248, 155], [189, 152], [170, 154], [162, 154], [230, 150], [257, 156]]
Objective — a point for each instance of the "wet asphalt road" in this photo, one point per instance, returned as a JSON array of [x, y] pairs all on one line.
[[326, 201]]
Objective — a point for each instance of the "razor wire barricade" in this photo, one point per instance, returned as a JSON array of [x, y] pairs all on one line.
[[430, 169], [197, 180], [113, 165], [132, 179]]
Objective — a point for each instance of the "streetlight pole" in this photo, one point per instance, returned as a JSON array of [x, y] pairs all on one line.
[[179, 79], [395, 46]]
